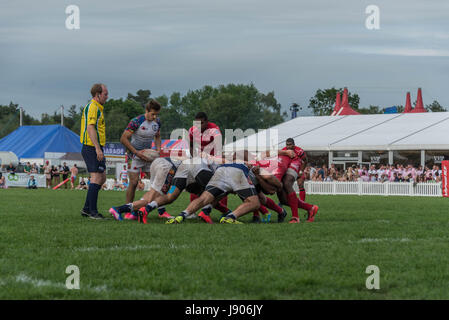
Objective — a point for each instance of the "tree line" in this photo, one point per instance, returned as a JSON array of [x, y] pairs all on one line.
[[229, 106]]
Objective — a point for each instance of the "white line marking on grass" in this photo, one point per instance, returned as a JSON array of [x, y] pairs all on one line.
[[39, 283], [368, 240], [23, 278], [133, 248]]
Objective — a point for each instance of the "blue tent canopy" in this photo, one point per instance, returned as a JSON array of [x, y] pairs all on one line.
[[34, 141]]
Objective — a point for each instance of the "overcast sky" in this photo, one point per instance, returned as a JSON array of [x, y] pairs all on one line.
[[291, 47]]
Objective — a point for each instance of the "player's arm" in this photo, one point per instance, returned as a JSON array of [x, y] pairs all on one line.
[[303, 163], [288, 153], [157, 140], [268, 182], [125, 139]]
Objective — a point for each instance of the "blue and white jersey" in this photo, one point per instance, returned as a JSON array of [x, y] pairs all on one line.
[[240, 166], [143, 131]]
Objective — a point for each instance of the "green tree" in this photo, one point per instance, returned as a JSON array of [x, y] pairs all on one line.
[[233, 106], [370, 110], [118, 113], [322, 103], [435, 106], [142, 97]]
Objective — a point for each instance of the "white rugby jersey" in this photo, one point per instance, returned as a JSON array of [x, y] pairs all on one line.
[[143, 131]]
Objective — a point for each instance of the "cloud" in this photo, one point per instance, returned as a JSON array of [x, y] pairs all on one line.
[[392, 51]]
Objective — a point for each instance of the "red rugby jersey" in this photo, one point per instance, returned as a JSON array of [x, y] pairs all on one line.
[[208, 136]]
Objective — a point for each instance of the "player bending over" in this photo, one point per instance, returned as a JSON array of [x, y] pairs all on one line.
[[265, 183], [228, 178], [193, 177]]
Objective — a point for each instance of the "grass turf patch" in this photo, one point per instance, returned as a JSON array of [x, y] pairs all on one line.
[[42, 232]]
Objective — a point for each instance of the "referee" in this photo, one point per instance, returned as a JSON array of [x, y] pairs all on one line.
[[93, 138]]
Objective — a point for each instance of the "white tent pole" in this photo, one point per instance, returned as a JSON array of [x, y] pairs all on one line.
[[21, 117], [62, 115]]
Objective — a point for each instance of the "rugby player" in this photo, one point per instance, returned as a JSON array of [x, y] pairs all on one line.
[[192, 177], [294, 171], [265, 183], [228, 178], [139, 135], [162, 171], [206, 138]]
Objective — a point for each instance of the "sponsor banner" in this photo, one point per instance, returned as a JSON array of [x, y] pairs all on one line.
[[114, 149], [445, 180], [21, 180]]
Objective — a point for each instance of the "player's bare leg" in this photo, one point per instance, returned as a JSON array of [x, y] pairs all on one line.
[[249, 204], [133, 180], [162, 199]]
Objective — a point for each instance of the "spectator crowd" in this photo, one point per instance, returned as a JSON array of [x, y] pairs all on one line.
[[373, 173]]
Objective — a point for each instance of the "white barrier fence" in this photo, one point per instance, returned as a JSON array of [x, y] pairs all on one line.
[[374, 188], [356, 188]]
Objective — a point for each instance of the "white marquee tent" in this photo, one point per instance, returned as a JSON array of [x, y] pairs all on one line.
[[350, 137]]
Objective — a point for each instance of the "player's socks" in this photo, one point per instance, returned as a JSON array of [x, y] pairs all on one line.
[[125, 208], [302, 194], [160, 210], [224, 201], [270, 204], [304, 205], [226, 213], [93, 197], [184, 214], [263, 209], [220, 207], [293, 203], [207, 210], [231, 215], [86, 203]]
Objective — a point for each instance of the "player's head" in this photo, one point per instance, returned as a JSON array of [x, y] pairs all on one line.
[[152, 110], [290, 143], [99, 93], [202, 117]]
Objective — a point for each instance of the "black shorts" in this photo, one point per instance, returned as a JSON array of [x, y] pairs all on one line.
[[90, 158]]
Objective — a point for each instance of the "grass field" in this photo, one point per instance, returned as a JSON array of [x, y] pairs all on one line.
[[42, 232]]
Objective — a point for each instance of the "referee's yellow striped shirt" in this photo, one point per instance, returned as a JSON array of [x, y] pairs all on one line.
[[93, 114]]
